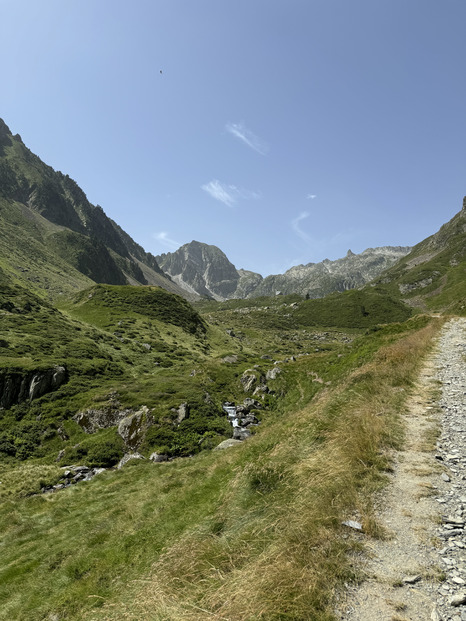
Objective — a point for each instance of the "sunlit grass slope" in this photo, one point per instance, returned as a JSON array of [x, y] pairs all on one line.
[[245, 534]]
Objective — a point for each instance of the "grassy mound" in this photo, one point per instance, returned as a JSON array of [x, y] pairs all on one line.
[[352, 309], [99, 303]]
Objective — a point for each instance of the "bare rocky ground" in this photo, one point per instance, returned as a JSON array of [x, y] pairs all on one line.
[[418, 573]]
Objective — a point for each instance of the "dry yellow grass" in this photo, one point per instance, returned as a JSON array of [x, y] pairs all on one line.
[[276, 549]]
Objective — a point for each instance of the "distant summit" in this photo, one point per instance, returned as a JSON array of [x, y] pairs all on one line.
[[205, 270]]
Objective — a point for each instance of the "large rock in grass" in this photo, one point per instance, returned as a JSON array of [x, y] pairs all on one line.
[[182, 412], [133, 427], [227, 444], [241, 433], [128, 457], [273, 373], [158, 458], [92, 420], [248, 380], [252, 404]]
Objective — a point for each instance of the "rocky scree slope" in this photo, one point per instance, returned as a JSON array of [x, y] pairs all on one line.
[[53, 238], [206, 270]]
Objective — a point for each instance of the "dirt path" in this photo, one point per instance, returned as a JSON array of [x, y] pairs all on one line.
[[404, 573]]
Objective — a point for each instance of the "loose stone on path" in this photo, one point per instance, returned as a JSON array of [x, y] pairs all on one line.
[[425, 504]]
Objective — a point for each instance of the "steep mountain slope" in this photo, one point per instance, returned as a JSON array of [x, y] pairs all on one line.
[[206, 270], [52, 238], [433, 275]]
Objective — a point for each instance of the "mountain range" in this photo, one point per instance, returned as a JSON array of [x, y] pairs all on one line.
[[204, 269], [53, 239]]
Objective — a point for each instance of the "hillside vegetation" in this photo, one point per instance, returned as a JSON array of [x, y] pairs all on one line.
[[253, 532], [432, 277]]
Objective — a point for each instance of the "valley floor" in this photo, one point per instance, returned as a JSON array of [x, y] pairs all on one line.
[[417, 571]]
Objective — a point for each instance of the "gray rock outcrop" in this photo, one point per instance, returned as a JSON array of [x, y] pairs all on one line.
[[16, 387], [128, 457], [248, 380], [227, 444], [157, 458], [273, 373], [133, 427], [91, 420]]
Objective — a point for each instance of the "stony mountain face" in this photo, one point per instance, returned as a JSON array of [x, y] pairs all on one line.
[[206, 270], [203, 269], [319, 279], [53, 238]]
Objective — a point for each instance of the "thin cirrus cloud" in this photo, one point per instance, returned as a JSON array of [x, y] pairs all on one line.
[[311, 196], [240, 131], [163, 238], [295, 225], [228, 194]]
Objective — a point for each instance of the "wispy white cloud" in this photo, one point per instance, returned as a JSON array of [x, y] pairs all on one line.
[[239, 130], [163, 238], [311, 196], [296, 228], [227, 193], [219, 191]]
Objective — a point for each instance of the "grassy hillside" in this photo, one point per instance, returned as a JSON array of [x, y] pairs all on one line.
[[250, 533], [433, 276]]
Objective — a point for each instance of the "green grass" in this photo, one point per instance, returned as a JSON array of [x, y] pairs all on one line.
[[352, 309], [250, 533]]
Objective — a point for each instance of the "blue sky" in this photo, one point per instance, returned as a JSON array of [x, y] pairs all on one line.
[[282, 131]]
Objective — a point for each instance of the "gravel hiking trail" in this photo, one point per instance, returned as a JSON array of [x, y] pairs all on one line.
[[418, 573]]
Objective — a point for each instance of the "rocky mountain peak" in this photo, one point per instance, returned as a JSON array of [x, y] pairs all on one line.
[[206, 270]]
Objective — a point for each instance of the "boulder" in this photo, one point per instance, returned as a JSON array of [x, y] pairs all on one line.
[[230, 359], [158, 458], [227, 444], [248, 380], [132, 428], [183, 412], [128, 457], [250, 419], [262, 389], [240, 433], [252, 404], [92, 420], [272, 373]]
